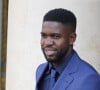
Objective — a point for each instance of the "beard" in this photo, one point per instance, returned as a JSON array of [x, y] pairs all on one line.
[[58, 57]]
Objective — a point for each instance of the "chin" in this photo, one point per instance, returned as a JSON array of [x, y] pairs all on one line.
[[51, 60]]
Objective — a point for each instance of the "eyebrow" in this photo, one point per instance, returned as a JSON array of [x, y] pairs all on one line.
[[51, 33], [42, 33]]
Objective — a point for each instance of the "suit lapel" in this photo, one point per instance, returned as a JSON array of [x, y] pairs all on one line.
[[66, 77], [62, 84]]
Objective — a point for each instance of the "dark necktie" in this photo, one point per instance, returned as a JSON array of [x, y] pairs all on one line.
[[52, 78]]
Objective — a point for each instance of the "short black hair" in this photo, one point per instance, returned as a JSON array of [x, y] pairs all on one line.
[[61, 15]]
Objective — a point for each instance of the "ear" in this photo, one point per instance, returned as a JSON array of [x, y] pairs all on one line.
[[72, 38]]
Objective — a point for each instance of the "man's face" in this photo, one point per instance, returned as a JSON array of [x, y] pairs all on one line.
[[55, 41]]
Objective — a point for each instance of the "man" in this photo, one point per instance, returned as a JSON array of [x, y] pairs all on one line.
[[64, 69]]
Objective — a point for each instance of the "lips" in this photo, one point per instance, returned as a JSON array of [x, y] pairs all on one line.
[[50, 51]]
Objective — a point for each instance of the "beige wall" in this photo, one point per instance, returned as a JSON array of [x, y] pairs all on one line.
[[24, 26]]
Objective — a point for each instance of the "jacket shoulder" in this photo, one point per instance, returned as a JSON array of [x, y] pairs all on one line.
[[83, 65], [40, 69], [87, 68], [85, 76]]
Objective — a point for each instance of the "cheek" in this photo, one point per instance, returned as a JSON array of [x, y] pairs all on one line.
[[62, 44]]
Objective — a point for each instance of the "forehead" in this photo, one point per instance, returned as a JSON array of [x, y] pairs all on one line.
[[53, 27]]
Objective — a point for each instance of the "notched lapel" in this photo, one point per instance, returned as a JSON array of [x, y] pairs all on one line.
[[62, 84], [68, 81]]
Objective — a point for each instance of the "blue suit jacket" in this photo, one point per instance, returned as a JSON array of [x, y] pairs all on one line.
[[78, 75]]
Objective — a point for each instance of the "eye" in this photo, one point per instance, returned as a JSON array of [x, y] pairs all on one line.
[[56, 36], [43, 35]]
